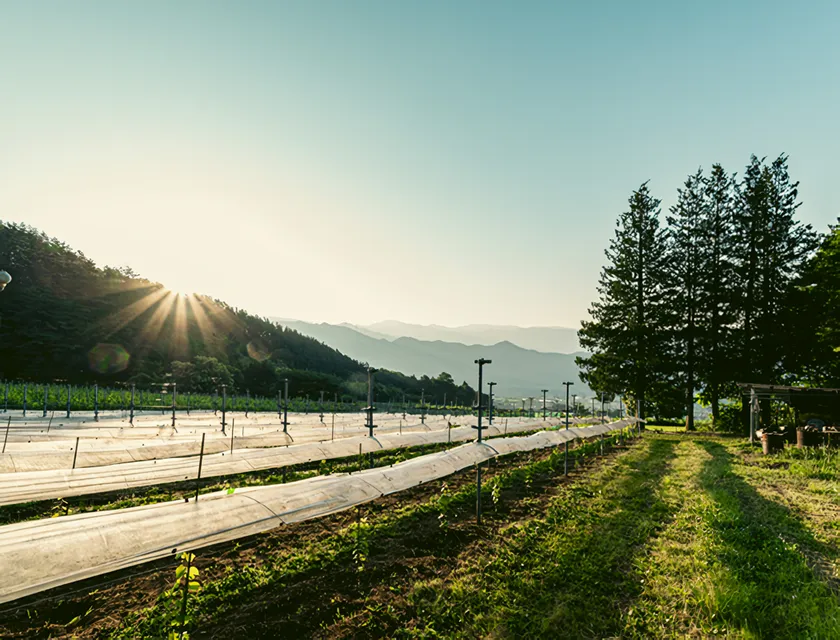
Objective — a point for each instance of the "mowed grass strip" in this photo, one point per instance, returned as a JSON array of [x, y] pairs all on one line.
[[677, 540], [569, 572]]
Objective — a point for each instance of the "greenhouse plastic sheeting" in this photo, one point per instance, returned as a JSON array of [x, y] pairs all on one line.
[[43, 554], [21, 487]]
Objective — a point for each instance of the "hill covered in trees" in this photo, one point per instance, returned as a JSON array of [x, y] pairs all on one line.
[[733, 288], [64, 318]]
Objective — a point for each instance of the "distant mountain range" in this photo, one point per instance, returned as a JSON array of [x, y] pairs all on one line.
[[547, 339], [519, 372]]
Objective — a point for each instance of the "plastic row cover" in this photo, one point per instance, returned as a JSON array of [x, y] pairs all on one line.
[[62, 483], [48, 553], [98, 452]]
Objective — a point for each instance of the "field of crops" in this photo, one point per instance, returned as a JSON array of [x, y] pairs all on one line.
[[44, 399], [666, 536], [36, 441]]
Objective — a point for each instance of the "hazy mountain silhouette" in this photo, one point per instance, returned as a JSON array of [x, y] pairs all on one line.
[[518, 372], [547, 339]]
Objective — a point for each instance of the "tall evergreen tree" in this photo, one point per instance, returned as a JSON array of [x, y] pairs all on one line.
[[771, 253], [815, 306], [626, 335], [685, 287], [717, 286]]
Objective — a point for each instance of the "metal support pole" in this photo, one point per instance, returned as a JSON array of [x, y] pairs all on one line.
[[422, 406], [544, 391], [753, 403], [95, 403], [603, 417], [286, 406], [6, 438], [46, 398], [369, 409], [6, 399], [75, 452], [131, 406], [321, 407], [224, 407], [566, 444], [174, 399], [490, 404], [231, 437], [479, 406], [25, 388], [200, 462]]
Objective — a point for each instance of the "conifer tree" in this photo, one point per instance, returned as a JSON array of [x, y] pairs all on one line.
[[627, 334], [687, 283], [717, 287], [770, 255], [815, 306]]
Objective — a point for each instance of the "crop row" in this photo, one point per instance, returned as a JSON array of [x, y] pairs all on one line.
[[46, 398]]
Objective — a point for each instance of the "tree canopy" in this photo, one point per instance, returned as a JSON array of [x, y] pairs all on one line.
[[731, 290]]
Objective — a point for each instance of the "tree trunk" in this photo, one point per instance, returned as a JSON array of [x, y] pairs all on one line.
[[715, 406]]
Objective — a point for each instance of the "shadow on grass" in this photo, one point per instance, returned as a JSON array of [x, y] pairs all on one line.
[[766, 587], [571, 575]]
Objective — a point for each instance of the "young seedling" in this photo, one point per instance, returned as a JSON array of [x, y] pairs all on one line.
[[186, 582]]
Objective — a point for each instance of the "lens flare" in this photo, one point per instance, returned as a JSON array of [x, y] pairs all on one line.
[[108, 358], [258, 350]]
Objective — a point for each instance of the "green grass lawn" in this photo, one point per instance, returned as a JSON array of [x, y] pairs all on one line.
[[666, 428], [680, 537], [674, 536]]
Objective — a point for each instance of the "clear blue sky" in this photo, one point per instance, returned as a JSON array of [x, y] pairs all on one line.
[[433, 162]]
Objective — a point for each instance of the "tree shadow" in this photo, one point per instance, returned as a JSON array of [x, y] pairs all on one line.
[[577, 583], [767, 587]]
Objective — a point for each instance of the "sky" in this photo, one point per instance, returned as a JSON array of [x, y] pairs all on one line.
[[430, 162]]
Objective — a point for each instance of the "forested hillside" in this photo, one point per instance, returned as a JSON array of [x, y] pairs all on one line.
[[64, 318]]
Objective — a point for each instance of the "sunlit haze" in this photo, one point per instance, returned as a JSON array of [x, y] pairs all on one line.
[[431, 162]]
